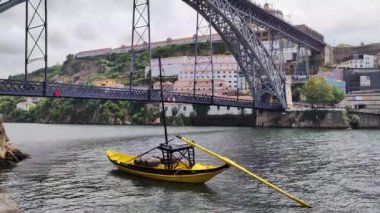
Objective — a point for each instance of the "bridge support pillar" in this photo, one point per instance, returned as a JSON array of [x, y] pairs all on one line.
[[288, 92], [141, 36], [203, 63], [302, 66], [36, 36]]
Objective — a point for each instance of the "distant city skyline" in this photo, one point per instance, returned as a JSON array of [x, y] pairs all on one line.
[[88, 24]]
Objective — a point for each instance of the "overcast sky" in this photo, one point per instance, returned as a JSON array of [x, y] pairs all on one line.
[[77, 25]]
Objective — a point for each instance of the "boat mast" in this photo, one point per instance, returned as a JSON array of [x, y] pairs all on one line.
[[163, 114]]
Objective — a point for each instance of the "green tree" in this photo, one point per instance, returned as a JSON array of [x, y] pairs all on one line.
[[201, 110], [312, 90], [137, 112], [354, 121], [318, 91], [338, 95]]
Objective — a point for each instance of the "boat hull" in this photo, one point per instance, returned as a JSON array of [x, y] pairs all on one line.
[[198, 174]]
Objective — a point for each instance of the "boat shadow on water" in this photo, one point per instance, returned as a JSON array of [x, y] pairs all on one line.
[[167, 185]]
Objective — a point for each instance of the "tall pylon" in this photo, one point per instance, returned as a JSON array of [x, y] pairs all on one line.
[[141, 37], [203, 61], [302, 66], [36, 37]]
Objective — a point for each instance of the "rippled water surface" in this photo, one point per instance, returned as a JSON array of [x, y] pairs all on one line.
[[335, 171]]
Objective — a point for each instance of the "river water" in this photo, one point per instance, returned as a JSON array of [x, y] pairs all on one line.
[[333, 170]]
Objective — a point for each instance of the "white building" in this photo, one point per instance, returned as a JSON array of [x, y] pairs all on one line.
[[359, 61], [289, 49], [93, 53], [187, 110], [224, 66], [26, 105], [166, 86], [170, 66]]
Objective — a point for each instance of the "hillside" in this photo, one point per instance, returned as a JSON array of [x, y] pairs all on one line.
[[115, 66], [85, 71]]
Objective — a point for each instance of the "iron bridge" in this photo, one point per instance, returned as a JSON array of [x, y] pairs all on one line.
[[58, 90], [236, 21]]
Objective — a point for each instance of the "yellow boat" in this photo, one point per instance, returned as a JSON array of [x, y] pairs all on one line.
[[182, 172]]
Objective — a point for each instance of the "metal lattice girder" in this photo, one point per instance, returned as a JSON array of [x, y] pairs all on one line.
[[141, 35], [203, 62], [255, 14], [302, 66], [35, 33], [240, 38]]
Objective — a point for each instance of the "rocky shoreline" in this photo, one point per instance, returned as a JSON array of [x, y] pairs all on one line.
[[7, 206], [9, 155], [12, 157]]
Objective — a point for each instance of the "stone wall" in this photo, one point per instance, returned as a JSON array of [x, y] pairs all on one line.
[[303, 119], [337, 119], [368, 120]]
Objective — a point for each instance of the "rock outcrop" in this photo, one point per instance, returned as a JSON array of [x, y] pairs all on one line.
[[9, 155]]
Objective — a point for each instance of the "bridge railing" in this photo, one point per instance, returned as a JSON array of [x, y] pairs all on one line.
[[87, 91], [40, 89], [17, 87]]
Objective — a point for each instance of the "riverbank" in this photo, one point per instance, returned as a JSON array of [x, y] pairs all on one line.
[[318, 118]]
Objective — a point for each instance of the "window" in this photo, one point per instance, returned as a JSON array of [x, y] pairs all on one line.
[[184, 108], [218, 108], [228, 108]]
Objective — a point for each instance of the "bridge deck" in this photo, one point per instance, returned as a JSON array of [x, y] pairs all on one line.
[[57, 90]]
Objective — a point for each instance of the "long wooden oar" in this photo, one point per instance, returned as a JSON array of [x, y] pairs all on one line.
[[251, 174]]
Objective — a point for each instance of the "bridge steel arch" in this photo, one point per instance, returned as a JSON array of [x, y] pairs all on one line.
[[254, 60]]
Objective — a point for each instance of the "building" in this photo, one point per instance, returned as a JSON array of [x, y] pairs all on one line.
[[107, 83], [121, 49], [368, 100], [187, 110], [170, 66], [335, 78], [125, 48], [342, 52], [338, 83], [166, 86], [269, 9], [225, 68], [359, 61], [203, 86], [361, 79], [93, 53], [336, 74], [26, 105]]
